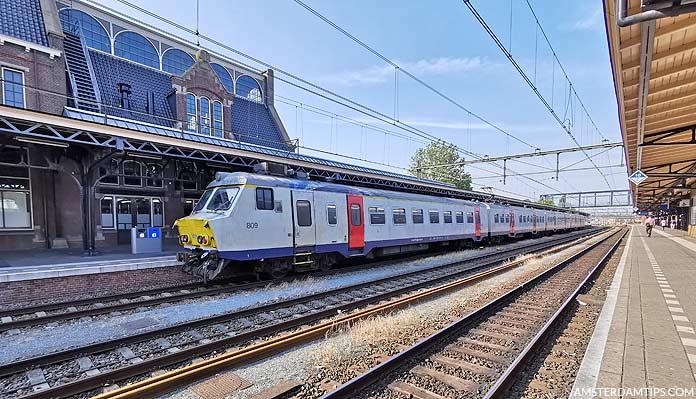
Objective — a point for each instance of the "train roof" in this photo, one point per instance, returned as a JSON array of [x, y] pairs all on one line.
[[244, 178]]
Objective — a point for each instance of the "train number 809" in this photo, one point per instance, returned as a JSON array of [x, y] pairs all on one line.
[[252, 225]]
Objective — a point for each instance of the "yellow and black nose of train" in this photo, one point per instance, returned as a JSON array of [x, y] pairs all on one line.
[[195, 233]]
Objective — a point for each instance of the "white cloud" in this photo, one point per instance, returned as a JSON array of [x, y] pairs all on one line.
[[443, 65], [385, 73], [454, 125], [591, 21]]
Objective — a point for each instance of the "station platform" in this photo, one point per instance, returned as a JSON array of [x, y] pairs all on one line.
[[40, 264], [644, 343]]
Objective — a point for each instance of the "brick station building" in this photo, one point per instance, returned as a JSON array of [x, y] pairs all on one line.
[[81, 64]]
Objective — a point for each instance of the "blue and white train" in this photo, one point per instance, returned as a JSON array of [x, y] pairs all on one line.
[[273, 225]]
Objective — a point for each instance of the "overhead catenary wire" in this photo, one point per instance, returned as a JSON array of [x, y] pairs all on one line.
[[409, 74], [399, 68], [547, 172], [238, 134], [565, 74], [531, 84], [314, 88]]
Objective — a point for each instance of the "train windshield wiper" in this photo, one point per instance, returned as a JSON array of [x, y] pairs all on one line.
[[223, 206]]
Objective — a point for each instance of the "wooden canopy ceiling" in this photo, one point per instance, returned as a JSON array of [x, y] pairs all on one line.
[[654, 67]]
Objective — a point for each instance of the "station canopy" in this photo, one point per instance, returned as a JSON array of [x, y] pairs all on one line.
[[653, 59]]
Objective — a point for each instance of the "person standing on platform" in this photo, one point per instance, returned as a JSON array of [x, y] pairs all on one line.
[[649, 224], [663, 223]]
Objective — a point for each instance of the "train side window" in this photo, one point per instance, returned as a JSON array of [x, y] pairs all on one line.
[[447, 215], [264, 199], [376, 215], [399, 215], [417, 216], [304, 213], [331, 214], [460, 217], [507, 219], [355, 215], [470, 217], [434, 216], [495, 218]]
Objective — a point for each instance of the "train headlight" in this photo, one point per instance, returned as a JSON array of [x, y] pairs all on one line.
[[183, 238], [202, 240]]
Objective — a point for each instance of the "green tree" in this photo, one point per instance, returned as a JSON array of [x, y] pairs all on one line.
[[438, 161], [546, 201]]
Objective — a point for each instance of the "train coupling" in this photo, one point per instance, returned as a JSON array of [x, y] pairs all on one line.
[[188, 257]]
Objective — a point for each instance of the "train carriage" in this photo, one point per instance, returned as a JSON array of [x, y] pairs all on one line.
[[274, 225]]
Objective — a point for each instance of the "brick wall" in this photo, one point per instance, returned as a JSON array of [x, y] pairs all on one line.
[[21, 293], [202, 81], [41, 72]]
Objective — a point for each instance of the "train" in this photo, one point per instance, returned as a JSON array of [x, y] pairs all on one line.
[[274, 225]]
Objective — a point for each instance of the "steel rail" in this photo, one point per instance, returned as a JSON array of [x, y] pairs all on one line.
[[506, 379], [87, 301], [376, 373], [261, 350], [44, 360], [151, 302], [28, 322], [156, 301]]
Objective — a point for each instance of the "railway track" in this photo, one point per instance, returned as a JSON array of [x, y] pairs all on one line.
[[481, 354], [70, 310], [82, 369]]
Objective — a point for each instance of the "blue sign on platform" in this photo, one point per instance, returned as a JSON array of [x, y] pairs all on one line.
[[153, 232], [637, 177]]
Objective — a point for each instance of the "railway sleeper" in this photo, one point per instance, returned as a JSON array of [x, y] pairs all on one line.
[[412, 391], [457, 383]]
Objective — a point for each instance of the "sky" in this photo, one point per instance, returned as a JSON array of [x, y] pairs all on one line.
[[443, 45]]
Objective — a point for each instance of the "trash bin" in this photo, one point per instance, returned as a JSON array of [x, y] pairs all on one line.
[[145, 241]]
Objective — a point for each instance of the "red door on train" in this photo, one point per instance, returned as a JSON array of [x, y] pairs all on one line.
[[512, 222], [534, 220], [356, 224], [477, 220]]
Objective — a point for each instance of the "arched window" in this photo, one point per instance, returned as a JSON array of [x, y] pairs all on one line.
[[108, 173], [191, 114], [187, 180], [224, 76], [94, 33], [154, 174], [249, 88], [205, 116], [217, 119], [135, 47], [176, 61], [132, 173]]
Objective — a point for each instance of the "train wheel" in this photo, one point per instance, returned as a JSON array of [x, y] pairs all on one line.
[[276, 269], [326, 263]]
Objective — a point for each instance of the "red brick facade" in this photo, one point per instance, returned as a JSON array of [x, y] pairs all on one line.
[[19, 293], [202, 81]]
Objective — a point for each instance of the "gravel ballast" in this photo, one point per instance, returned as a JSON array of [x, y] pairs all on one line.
[[344, 354]]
